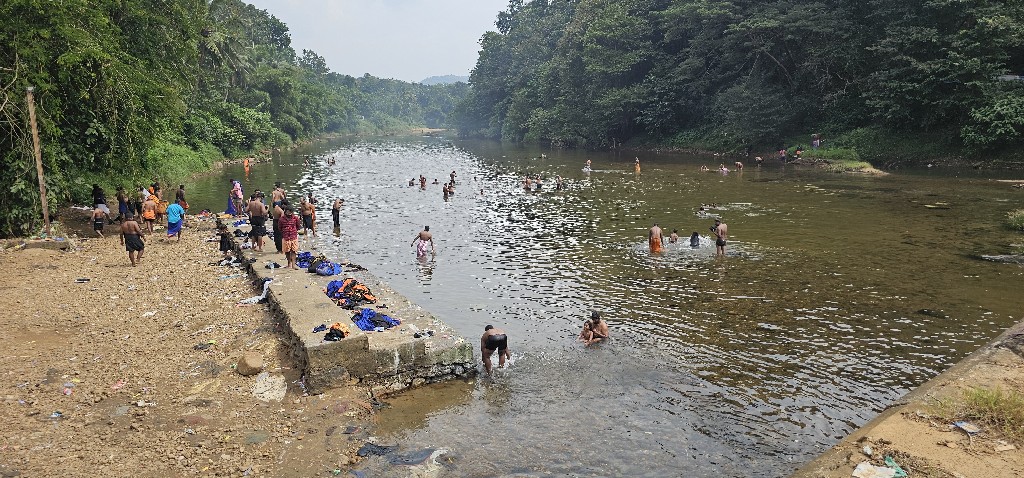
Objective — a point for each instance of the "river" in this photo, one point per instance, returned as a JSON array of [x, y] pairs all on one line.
[[838, 294]]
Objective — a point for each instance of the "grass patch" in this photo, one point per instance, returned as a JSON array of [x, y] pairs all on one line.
[[1015, 219], [994, 410]]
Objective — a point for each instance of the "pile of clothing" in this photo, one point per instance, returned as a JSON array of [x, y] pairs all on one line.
[[349, 293], [317, 265], [337, 332], [369, 320]]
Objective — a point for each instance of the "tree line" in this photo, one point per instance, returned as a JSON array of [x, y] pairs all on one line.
[[129, 90], [746, 74]]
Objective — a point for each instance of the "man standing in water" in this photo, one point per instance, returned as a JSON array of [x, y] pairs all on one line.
[[308, 222], [132, 239], [425, 238], [494, 339], [336, 212], [721, 234], [654, 238]]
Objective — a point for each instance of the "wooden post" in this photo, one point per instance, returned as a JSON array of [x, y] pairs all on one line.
[[39, 157]]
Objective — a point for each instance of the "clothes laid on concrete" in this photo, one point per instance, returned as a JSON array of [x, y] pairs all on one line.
[[349, 293], [369, 319]]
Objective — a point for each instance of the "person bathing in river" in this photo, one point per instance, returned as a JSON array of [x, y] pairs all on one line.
[[594, 329], [494, 339], [674, 237], [654, 238], [695, 240], [721, 234], [422, 240]]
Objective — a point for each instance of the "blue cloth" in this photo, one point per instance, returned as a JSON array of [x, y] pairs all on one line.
[[369, 320], [174, 214], [328, 268], [173, 228], [231, 207]]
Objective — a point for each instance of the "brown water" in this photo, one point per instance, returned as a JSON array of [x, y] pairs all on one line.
[[839, 293]]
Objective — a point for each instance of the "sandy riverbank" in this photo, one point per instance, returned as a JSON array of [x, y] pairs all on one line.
[[131, 372]]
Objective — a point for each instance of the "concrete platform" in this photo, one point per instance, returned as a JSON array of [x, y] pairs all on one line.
[[388, 361]]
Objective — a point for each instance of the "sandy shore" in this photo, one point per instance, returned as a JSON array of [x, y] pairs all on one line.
[[131, 372]]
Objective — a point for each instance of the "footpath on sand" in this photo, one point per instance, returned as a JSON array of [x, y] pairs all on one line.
[[917, 434], [110, 370]]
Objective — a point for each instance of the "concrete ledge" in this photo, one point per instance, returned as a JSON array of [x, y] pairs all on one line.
[[388, 361]]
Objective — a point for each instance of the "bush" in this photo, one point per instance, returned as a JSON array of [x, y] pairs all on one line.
[[1015, 219], [994, 409]]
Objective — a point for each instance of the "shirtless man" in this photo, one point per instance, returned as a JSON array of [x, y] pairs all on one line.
[[452, 175], [98, 215], [654, 238], [308, 223], [425, 238], [258, 221], [149, 212], [132, 238], [277, 212], [674, 237], [594, 329], [336, 212], [494, 339], [739, 166], [277, 195], [423, 182], [721, 231]]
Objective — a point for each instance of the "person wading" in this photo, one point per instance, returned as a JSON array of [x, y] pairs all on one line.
[[494, 339]]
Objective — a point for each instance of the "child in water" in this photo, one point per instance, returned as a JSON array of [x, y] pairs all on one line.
[[695, 240]]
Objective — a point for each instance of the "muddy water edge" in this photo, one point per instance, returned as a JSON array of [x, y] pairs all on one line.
[[838, 294]]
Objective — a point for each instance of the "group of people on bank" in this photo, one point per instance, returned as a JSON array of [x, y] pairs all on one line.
[[147, 204]]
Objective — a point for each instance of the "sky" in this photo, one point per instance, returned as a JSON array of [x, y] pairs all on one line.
[[407, 40]]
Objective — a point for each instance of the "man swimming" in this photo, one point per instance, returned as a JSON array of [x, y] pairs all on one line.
[[721, 234], [494, 339], [425, 238], [654, 238]]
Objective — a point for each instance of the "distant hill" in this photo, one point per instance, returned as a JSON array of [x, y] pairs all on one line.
[[443, 80]]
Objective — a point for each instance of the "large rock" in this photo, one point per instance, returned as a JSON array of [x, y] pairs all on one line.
[[250, 363], [270, 387]]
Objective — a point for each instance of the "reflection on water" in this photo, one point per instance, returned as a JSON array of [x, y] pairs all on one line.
[[837, 295]]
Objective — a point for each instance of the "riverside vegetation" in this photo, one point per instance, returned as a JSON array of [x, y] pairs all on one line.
[[884, 81], [132, 90]]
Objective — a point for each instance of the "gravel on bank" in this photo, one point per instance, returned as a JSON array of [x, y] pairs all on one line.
[[113, 370]]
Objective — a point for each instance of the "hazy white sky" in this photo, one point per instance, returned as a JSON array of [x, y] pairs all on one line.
[[403, 39]]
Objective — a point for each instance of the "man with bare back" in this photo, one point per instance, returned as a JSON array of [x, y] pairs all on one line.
[[258, 221], [721, 232], [132, 238], [425, 239], [654, 238]]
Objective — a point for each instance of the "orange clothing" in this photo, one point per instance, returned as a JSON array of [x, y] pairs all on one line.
[[149, 214], [655, 243]]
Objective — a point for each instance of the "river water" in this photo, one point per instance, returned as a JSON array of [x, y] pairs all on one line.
[[838, 294]]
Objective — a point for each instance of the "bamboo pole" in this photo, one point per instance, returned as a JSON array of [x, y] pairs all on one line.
[[30, 98]]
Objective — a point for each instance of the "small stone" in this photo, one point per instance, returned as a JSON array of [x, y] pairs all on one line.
[[250, 363], [1006, 447]]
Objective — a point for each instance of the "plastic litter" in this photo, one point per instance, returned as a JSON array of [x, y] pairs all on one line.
[[968, 428], [867, 470], [258, 298], [57, 414], [82, 280], [149, 314], [891, 463]]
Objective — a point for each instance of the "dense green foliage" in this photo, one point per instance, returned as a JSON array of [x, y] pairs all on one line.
[[732, 75], [129, 90]]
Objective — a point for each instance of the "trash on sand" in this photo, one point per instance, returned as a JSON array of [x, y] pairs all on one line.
[[57, 414], [230, 276], [143, 403], [149, 314], [867, 470], [891, 463], [867, 450], [68, 391], [258, 298], [968, 428], [82, 280], [1005, 447]]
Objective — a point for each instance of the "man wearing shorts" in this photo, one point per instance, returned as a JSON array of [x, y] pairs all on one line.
[[132, 239], [288, 226], [308, 218], [721, 234], [258, 221], [494, 339]]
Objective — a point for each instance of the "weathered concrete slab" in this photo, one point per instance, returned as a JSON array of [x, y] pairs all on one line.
[[388, 361]]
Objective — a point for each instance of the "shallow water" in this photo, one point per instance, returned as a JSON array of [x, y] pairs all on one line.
[[839, 293]]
